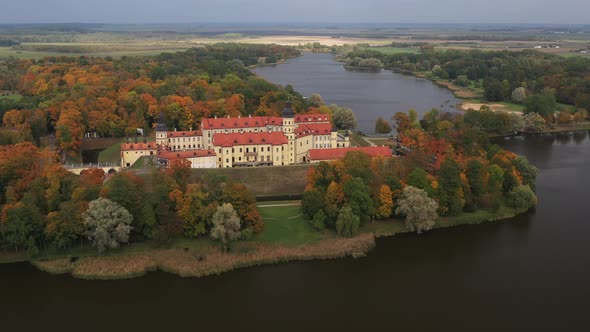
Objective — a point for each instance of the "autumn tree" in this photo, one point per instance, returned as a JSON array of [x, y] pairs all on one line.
[[70, 129], [419, 209], [385, 203], [382, 126], [401, 122]]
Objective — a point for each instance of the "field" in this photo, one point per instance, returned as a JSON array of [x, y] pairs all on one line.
[[284, 224], [264, 181], [395, 50], [140, 40]]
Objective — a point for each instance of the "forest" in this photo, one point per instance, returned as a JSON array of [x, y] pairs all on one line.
[[71, 96], [449, 167], [498, 73], [44, 206]]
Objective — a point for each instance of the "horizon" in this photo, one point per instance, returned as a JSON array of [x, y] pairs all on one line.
[[500, 12]]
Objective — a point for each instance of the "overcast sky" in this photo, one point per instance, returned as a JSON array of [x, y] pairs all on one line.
[[328, 11]]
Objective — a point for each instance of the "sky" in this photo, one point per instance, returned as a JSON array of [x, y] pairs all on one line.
[[296, 11]]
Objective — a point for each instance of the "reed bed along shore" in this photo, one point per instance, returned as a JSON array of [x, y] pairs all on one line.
[[209, 261]]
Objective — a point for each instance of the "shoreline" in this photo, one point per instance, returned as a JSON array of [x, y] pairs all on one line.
[[206, 260]]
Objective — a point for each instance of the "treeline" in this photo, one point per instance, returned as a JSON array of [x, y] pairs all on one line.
[[42, 205], [448, 164], [499, 73], [69, 96]]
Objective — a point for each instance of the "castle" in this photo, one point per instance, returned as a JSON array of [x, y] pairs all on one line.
[[241, 141]]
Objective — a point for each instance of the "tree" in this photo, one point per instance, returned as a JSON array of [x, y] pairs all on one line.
[[348, 223], [316, 100], [493, 90], [522, 198], [534, 122], [359, 199], [226, 225], [418, 179], [419, 209], [343, 118], [519, 95], [385, 202], [382, 126], [319, 220], [311, 203], [401, 122], [475, 177], [450, 187], [21, 227], [527, 171], [107, 224], [544, 103], [180, 171], [65, 226]]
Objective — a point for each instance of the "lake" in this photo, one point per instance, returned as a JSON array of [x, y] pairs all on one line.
[[529, 273], [369, 94]]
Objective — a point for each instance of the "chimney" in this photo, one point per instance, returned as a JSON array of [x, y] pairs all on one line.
[[190, 128], [216, 116], [249, 115], [228, 116]]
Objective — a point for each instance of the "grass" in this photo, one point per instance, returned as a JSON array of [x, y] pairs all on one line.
[[358, 140], [112, 154], [397, 226], [285, 226], [286, 237], [264, 181]]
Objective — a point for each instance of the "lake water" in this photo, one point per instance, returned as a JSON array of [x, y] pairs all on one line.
[[370, 95], [529, 273]]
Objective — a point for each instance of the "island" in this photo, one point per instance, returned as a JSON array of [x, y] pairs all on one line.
[[183, 201]]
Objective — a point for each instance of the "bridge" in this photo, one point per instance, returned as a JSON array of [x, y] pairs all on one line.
[[108, 168]]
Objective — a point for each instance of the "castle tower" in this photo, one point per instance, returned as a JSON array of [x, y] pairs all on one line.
[[161, 131], [289, 130]]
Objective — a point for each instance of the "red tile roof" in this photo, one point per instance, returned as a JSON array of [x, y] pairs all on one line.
[[312, 118], [313, 128], [337, 153], [185, 154], [227, 140], [138, 146], [245, 122], [185, 133]]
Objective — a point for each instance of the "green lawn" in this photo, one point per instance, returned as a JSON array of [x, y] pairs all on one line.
[[284, 225], [112, 154]]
